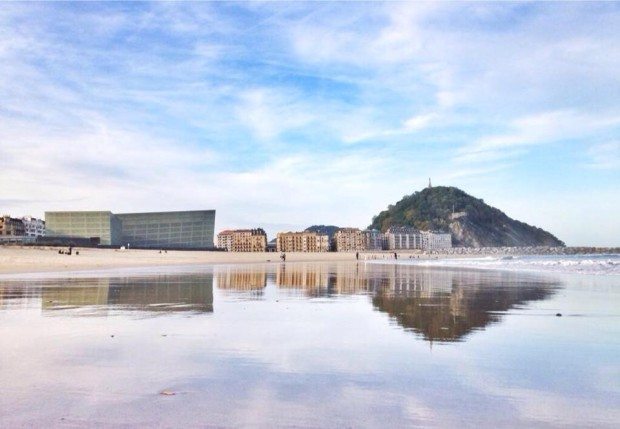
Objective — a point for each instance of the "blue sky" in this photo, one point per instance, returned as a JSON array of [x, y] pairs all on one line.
[[283, 115]]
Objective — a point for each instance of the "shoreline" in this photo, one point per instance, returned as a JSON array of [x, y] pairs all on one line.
[[38, 260]]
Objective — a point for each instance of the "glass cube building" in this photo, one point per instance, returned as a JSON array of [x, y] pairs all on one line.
[[101, 227], [164, 230], [186, 229]]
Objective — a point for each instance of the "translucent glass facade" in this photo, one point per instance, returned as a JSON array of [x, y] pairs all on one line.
[[186, 229], [182, 230], [99, 225]]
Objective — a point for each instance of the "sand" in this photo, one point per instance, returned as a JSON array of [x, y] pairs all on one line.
[[19, 260]]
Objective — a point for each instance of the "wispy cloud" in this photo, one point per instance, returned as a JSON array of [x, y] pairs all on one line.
[[605, 156], [234, 105]]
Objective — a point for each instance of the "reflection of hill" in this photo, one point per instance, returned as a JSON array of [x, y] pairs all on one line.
[[447, 305], [161, 293]]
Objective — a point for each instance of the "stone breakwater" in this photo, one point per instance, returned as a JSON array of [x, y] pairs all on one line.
[[530, 250]]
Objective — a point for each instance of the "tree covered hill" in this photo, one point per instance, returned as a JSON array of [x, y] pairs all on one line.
[[470, 220]]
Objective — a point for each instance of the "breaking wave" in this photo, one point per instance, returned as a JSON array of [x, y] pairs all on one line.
[[584, 264]]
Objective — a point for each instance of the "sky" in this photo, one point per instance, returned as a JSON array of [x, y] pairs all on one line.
[[284, 115]]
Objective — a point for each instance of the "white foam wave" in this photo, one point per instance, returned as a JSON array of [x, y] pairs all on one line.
[[584, 264]]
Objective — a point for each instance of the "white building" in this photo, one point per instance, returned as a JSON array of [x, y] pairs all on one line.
[[375, 240], [33, 227], [403, 237], [432, 240], [225, 240]]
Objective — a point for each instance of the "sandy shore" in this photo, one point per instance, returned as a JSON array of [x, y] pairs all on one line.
[[15, 260]]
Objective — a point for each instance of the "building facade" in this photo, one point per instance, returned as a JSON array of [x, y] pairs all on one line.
[[350, 240], [375, 239], [243, 240], [11, 226], [33, 227], [101, 227], [432, 240], [302, 242], [183, 230], [403, 238], [224, 240]]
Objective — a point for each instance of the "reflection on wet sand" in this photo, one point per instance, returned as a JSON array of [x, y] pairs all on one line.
[[448, 305], [441, 305], [437, 304], [154, 294], [241, 278]]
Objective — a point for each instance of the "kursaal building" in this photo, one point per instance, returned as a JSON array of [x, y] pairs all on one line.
[[163, 230]]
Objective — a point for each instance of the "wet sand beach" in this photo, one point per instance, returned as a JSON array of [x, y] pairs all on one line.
[[310, 344], [46, 259]]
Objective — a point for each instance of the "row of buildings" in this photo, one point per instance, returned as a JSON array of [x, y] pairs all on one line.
[[344, 240], [195, 229], [22, 229], [165, 230]]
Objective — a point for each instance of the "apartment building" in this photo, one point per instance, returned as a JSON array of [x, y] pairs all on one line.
[[403, 238], [33, 227], [350, 240], [302, 242], [433, 240], [11, 226], [243, 240], [224, 240], [375, 239]]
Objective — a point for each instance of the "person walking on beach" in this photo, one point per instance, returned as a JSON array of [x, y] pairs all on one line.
[[283, 257], [357, 256]]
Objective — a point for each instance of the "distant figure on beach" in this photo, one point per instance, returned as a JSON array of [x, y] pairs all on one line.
[[283, 257], [357, 255], [395, 255]]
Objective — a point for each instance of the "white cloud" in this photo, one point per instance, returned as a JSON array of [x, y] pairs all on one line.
[[268, 113], [605, 156], [531, 130]]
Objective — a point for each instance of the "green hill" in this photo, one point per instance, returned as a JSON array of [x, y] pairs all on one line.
[[470, 220]]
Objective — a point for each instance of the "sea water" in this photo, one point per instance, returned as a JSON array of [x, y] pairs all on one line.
[[603, 264]]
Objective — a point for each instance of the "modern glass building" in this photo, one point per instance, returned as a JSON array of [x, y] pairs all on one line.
[[165, 230], [186, 229], [101, 227]]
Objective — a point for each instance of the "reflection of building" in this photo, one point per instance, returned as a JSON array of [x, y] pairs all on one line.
[[317, 279], [169, 293], [243, 240], [349, 240], [241, 278], [305, 241], [185, 229], [302, 276]]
